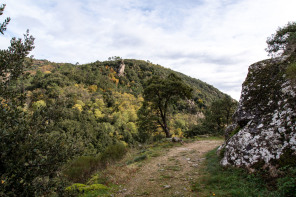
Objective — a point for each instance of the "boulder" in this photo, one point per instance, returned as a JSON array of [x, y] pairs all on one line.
[[176, 139], [264, 133]]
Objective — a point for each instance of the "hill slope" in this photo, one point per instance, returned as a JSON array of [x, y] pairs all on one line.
[[96, 104], [105, 75], [63, 115]]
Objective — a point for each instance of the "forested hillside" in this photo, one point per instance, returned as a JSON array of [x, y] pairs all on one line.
[[95, 96], [63, 111], [105, 76]]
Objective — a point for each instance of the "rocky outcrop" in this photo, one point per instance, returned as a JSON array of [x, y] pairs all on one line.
[[120, 71], [264, 133]]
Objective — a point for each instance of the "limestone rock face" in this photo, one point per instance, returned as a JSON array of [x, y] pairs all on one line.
[[264, 132], [121, 68]]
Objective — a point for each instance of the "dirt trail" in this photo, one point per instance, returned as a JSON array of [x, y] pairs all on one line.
[[171, 174]]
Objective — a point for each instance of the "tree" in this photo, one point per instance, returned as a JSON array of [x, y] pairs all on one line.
[[217, 117], [31, 151], [283, 41], [159, 95], [6, 21]]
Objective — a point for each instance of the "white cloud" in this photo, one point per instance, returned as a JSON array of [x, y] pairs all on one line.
[[212, 40]]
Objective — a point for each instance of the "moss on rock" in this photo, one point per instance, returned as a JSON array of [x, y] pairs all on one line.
[[264, 131]]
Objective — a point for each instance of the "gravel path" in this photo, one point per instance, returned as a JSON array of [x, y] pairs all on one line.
[[170, 175]]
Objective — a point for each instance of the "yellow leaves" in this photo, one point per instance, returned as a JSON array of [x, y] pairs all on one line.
[[112, 71], [2, 181], [47, 68], [133, 117], [78, 107], [178, 133], [140, 98], [124, 143], [99, 103], [131, 127], [113, 78], [92, 88], [116, 81], [4, 103], [120, 137], [47, 72], [80, 102], [39, 104], [98, 113]]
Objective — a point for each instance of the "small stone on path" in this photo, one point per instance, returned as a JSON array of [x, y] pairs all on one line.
[[194, 165]]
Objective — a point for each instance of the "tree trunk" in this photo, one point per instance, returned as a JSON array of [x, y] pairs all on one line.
[[167, 131], [163, 121]]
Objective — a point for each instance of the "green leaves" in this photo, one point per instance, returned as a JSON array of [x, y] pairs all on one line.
[[6, 21], [283, 41], [159, 95]]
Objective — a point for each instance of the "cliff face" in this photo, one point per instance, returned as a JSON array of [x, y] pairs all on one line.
[[121, 68], [264, 132]]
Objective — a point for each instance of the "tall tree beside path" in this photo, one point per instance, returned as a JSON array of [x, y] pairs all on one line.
[[159, 96]]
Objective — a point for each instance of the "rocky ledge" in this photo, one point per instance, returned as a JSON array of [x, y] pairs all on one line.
[[264, 133]]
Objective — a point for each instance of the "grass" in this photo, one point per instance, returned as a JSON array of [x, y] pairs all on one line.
[[203, 137], [216, 180], [117, 173], [81, 168], [173, 168]]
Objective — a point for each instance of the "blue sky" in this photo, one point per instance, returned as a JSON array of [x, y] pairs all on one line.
[[212, 40]]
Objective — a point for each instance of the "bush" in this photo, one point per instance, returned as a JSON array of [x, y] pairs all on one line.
[[113, 152], [195, 131], [291, 71], [81, 168], [79, 188], [287, 184], [137, 159]]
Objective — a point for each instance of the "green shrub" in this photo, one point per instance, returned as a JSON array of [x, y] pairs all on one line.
[[287, 184], [98, 178], [291, 71], [235, 131], [158, 137], [78, 188], [140, 158], [137, 159], [113, 152], [196, 130], [80, 169]]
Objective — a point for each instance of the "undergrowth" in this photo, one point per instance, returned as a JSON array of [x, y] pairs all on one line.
[[219, 181], [89, 174]]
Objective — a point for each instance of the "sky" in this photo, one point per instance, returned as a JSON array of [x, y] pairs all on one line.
[[211, 40]]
